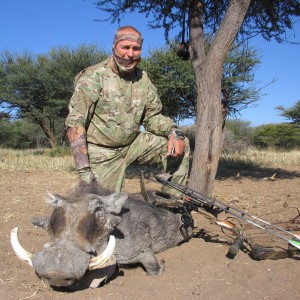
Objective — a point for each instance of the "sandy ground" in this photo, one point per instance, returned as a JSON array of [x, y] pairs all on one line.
[[198, 269]]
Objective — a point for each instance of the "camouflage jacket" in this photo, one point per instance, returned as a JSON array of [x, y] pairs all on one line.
[[113, 109]]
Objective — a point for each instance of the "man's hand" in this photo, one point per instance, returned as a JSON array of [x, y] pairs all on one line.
[[176, 145], [87, 175]]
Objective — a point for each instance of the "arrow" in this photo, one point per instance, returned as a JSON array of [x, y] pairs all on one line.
[[295, 243], [200, 199]]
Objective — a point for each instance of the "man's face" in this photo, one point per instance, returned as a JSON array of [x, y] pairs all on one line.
[[130, 51]]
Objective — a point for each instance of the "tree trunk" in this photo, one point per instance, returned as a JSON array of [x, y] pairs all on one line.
[[51, 137], [208, 72]]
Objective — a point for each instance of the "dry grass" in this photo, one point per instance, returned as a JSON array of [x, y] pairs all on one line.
[[264, 158], [46, 159]]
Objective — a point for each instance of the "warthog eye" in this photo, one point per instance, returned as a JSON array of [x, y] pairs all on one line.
[[57, 221], [99, 216], [92, 253], [92, 226]]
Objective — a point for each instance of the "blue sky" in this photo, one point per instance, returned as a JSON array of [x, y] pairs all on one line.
[[39, 25]]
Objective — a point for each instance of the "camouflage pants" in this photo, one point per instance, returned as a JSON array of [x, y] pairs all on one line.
[[109, 165]]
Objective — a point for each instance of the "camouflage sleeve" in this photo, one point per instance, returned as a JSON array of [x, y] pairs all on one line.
[[83, 101], [154, 121]]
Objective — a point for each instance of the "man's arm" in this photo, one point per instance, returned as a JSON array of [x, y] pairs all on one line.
[[78, 144], [156, 123], [81, 108]]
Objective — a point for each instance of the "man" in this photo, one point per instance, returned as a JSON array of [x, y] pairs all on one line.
[[111, 101]]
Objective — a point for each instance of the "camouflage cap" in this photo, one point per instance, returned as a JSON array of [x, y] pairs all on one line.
[[122, 35]]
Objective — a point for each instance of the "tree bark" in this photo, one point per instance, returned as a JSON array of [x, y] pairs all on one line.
[[46, 129], [208, 72]]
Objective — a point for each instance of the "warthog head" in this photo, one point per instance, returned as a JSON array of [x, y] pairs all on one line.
[[79, 227]]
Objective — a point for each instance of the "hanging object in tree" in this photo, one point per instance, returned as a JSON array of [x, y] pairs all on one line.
[[183, 49]]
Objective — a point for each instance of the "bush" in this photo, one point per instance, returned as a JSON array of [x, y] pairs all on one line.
[[21, 134], [238, 136], [278, 136]]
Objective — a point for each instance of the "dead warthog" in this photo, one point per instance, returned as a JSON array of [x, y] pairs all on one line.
[[90, 226]]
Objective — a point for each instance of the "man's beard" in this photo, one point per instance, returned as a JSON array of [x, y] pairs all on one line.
[[125, 64]]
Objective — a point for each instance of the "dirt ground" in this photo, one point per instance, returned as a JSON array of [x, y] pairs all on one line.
[[198, 269]]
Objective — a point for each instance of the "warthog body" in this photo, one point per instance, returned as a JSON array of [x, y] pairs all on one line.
[[80, 226]]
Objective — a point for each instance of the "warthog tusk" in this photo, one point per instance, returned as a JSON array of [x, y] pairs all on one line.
[[101, 259], [19, 250], [95, 262]]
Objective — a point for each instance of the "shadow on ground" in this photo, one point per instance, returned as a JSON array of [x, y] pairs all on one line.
[[228, 168]]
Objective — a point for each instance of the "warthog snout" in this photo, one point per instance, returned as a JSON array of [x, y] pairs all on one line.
[[55, 265]]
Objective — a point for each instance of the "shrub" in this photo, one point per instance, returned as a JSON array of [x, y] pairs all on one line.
[[21, 134], [238, 136], [278, 136]]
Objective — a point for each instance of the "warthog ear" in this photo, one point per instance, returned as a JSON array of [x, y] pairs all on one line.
[[40, 221], [55, 200], [114, 202], [100, 219]]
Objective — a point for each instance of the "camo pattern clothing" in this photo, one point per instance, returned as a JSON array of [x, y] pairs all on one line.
[[112, 110], [109, 164]]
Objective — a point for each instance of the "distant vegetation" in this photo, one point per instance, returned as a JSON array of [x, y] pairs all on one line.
[[245, 147], [240, 136], [35, 90], [57, 160]]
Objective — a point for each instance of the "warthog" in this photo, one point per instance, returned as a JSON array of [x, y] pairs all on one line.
[[89, 225]]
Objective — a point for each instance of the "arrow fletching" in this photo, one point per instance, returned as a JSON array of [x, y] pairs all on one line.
[[295, 243]]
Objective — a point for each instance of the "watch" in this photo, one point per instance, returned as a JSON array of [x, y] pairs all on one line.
[[179, 135]]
